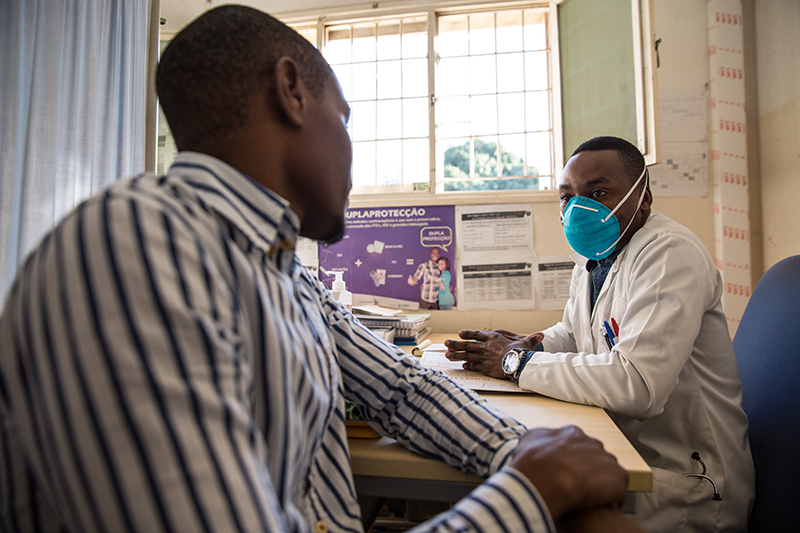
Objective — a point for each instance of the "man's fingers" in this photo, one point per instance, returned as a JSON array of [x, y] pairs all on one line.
[[508, 334], [456, 356], [473, 346], [456, 346], [470, 334], [462, 346]]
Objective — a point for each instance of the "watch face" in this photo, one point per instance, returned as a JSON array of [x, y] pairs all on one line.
[[510, 362]]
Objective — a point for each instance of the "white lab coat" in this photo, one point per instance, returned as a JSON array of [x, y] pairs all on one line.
[[671, 383]]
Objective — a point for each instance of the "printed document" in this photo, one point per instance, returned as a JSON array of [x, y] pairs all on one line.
[[553, 277], [496, 257]]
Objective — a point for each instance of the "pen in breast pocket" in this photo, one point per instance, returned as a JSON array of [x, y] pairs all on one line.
[[608, 341], [609, 334]]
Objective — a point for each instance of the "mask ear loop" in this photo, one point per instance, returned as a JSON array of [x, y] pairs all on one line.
[[630, 191], [641, 197]]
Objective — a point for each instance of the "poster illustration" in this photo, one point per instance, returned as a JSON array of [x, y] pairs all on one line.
[[400, 257]]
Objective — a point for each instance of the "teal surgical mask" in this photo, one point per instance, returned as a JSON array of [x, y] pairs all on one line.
[[591, 228]]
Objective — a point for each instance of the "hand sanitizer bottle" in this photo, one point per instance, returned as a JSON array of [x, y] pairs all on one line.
[[340, 292]]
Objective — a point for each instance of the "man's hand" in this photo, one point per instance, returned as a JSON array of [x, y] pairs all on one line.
[[484, 350], [412, 280], [570, 470]]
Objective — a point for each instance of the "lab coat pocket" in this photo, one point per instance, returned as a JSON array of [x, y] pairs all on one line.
[[677, 503], [617, 309]]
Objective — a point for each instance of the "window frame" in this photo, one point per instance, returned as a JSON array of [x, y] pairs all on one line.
[[645, 77]]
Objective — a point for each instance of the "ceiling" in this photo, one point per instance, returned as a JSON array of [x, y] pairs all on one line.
[[178, 13], [175, 14]]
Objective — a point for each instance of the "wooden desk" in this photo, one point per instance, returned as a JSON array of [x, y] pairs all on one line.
[[382, 467]]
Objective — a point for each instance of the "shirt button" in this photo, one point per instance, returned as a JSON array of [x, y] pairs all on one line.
[[321, 527]]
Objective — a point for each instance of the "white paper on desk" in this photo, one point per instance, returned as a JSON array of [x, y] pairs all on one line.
[[495, 257], [435, 348], [466, 378]]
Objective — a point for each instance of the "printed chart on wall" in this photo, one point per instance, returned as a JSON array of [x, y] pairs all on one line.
[[399, 257], [495, 257], [683, 170], [553, 278]]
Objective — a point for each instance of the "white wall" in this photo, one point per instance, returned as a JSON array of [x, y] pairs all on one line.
[[772, 35]]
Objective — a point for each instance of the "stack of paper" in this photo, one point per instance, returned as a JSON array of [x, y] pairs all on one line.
[[408, 328]]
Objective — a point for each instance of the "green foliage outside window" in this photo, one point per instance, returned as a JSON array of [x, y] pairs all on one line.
[[457, 165]]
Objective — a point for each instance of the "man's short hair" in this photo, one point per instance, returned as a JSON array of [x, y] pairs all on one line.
[[211, 71], [630, 156]]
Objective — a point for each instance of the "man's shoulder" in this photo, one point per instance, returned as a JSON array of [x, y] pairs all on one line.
[[660, 226], [661, 232]]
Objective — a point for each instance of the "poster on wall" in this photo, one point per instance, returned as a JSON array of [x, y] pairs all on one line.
[[401, 257], [496, 257]]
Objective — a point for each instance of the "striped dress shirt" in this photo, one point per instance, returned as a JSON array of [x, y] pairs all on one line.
[[167, 364], [428, 275]]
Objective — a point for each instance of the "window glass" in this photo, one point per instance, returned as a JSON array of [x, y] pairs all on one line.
[[598, 96], [493, 86], [385, 63]]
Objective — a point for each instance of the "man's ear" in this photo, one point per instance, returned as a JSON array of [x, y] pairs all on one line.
[[647, 201], [290, 93]]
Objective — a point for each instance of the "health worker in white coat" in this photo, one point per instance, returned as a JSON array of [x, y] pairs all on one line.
[[643, 336]]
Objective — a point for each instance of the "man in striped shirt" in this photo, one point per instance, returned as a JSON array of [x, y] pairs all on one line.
[[428, 274], [166, 363]]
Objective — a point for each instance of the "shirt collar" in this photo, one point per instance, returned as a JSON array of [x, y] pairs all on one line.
[[261, 216], [608, 261]]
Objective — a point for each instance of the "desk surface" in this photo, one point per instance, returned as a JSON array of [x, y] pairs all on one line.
[[385, 458]]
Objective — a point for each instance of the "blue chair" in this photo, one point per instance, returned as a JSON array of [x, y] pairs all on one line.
[[767, 346]]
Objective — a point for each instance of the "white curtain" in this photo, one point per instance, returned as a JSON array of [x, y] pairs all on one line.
[[73, 79]]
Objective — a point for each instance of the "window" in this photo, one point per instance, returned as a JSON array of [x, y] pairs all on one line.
[[382, 66], [493, 101], [482, 106], [607, 72]]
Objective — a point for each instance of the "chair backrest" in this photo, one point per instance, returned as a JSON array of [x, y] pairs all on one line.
[[767, 346]]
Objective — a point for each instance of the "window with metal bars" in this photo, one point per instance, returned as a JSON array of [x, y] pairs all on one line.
[[477, 97]]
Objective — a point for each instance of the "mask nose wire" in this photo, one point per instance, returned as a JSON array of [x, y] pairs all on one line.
[[574, 206], [630, 191]]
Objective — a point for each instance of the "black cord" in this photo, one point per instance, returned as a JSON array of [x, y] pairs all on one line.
[[696, 457]]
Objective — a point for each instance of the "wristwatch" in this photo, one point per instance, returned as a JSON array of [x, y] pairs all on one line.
[[511, 362], [515, 359]]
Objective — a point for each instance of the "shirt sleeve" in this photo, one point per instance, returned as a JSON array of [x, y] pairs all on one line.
[[670, 288], [133, 364], [506, 502]]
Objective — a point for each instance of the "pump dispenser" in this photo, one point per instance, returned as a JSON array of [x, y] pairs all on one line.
[[339, 290]]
